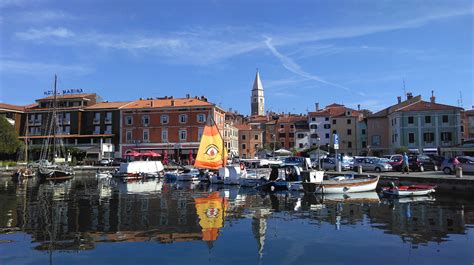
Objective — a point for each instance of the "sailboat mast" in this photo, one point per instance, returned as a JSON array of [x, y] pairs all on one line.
[[26, 140], [54, 117]]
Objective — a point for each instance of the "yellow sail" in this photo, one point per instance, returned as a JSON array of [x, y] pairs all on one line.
[[212, 153], [211, 212]]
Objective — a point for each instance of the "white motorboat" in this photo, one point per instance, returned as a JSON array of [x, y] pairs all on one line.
[[405, 191], [231, 175], [140, 169]]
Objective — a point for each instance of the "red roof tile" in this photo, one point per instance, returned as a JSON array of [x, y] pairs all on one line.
[[166, 103], [108, 105], [11, 107], [426, 106]]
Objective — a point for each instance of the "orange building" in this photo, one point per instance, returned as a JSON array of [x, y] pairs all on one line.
[[250, 140], [174, 125]]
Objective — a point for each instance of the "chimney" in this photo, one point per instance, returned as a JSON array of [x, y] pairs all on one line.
[[409, 95], [151, 103], [317, 106], [187, 95], [358, 107], [172, 102], [432, 98], [399, 99]]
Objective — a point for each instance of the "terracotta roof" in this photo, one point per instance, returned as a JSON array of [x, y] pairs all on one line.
[[334, 105], [108, 105], [321, 113], [469, 112], [385, 112], [425, 106], [258, 118], [243, 127], [287, 119], [166, 103], [11, 107], [69, 96]]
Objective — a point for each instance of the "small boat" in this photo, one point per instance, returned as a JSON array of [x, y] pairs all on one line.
[[412, 190], [25, 172], [251, 178], [188, 175], [342, 184], [139, 170], [102, 174], [285, 177]]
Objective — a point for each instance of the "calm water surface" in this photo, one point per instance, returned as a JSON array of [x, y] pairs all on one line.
[[96, 222]]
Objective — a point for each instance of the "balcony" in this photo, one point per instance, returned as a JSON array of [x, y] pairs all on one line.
[[96, 121]]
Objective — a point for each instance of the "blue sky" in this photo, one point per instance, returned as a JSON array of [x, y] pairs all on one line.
[[349, 52]]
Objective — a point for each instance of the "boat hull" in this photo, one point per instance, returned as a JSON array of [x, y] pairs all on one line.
[[341, 186], [408, 191]]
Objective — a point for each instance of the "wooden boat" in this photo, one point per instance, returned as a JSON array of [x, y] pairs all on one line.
[[412, 190], [360, 183]]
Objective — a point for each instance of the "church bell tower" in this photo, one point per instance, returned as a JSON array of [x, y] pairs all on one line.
[[257, 100]]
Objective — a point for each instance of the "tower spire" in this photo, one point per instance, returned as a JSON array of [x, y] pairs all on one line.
[[257, 100]]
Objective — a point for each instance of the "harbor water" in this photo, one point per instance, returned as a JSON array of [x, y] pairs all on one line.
[[91, 221]]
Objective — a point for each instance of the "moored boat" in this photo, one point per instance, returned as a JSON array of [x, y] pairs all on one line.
[[412, 190], [188, 175], [342, 184]]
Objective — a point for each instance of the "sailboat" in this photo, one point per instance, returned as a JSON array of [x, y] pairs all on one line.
[[27, 171], [212, 153], [211, 211], [58, 170]]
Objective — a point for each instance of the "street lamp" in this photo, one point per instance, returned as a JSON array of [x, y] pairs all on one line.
[[319, 154]]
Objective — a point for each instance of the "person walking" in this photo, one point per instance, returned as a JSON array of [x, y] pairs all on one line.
[[405, 168]]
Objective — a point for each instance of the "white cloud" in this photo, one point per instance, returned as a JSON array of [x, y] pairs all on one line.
[[39, 68], [46, 33], [39, 16]]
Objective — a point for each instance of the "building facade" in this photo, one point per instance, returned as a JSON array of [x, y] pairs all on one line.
[[250, 141], [231, 139], [174, 125]]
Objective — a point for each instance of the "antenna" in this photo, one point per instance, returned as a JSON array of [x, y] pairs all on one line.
[[460, 99], [404, 89]]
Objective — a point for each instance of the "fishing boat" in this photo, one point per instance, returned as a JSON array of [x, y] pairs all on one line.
[[53, 148], [212, 154], [405, 191], [342, 184]]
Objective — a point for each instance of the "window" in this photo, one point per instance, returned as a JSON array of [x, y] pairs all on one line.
[[255, 146], [256, 137], [146, 135], [376, 140], [327, 126], [146, 120], [200, 130], [164, 119], [97, 116], [129, 136], [349, 132], [327, 135], [411, 138], [108, 129], [410, 120], [243, 146], [164, 136], [364, 144], [427, 119], [108, 115], [128, 120], [363, 131], [349, 144], [313, 118], [445, 119], [333, 121], [349, 121], [183, 118], [301, 136], [282, 126], [96, 129], [67, 129], [334, 131], [201, 118], [281, 135], [326, 119], [313, 126], [313, 136], [243, 137], [291, 135], [300, 145], [182, 135], [446, 136], [292, 126], [428, 137]]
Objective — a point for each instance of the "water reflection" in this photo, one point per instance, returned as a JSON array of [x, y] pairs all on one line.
[[82, 213]]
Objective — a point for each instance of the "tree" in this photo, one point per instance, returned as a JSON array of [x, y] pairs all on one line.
[[401, 150], [9, 143]]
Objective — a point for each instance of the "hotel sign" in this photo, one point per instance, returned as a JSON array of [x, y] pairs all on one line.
[[64, 92]]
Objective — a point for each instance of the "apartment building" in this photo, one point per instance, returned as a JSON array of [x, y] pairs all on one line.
[[250, 140], [174, 125]]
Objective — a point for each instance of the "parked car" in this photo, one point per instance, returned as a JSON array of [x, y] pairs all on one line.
[[330, 164], [396, 161], [422, 163], [465, 162], [371, 164]]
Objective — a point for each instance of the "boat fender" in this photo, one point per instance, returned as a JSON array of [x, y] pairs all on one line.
[[242, 166], [272, 188]]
